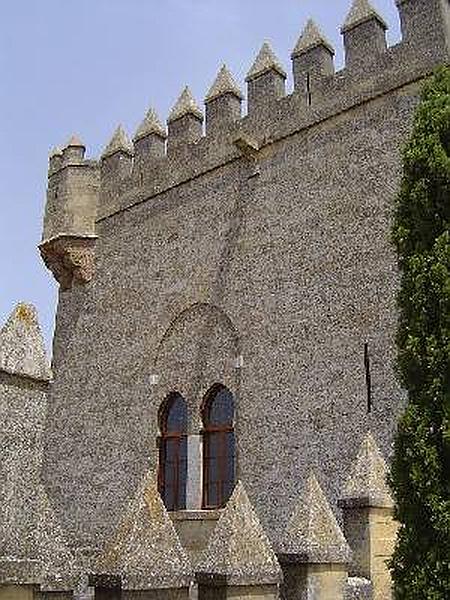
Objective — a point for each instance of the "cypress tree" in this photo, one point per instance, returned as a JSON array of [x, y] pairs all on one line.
[[420, 476]]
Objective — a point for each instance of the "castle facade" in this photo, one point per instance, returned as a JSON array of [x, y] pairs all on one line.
[[222, 397]]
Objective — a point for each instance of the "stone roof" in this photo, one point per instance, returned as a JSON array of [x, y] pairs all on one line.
[[311, 37], [146, 551], [22, 348], [361, 11], [223, 84], [185, 105], [75, 141], [313, 534], [239, 549], [150, 125], [265, 61], [118, 143], [367, 482]]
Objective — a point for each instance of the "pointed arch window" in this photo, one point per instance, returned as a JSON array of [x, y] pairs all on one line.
[[172, 471], [218, 447]]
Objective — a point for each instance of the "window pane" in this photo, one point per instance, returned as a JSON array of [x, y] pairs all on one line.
[[213, 497], [221, 408], [176, 415], [213, 470]]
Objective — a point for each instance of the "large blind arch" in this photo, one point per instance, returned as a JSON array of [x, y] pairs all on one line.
[[219, 446], [172, 471]]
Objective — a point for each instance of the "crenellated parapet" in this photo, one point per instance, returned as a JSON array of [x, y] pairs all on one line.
[[157, 161]]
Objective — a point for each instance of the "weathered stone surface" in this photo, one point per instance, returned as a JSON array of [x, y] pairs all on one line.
[[223, 84], [360, 12], [265, 61], [313, 534], [151, 124], [118, 143], [22, 348], [239, 550], [185, 105], [310, 38], [367, 483], [146, 552], [70, 259]]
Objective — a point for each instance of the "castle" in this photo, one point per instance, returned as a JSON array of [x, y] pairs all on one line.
[[222, 398]]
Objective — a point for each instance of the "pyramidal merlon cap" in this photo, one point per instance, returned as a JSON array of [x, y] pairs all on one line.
[[150, 125], [367, 482], [56, 151], [185, 105], [118, 143], [146, 551], [238, 548], [310, 38], [22, 348], [223, 84], [360, 12], [313, 534], [59, 569], [75, 141], [264, 62]]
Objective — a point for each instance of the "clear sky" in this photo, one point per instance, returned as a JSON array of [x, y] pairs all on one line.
[[83, 66]]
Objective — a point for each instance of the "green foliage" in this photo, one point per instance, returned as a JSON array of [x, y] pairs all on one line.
[[421, 466]]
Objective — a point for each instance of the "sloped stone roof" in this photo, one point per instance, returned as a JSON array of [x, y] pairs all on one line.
[[313, 534], [146, 551], [150, 124], [22, 348], [311, 37], [118, 143], [361, 11], [75, 141], [185, 105], [367, 481], [265, 61], [223, 84], [239, 549], [56, 151]]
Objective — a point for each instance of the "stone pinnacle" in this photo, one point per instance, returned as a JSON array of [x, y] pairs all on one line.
[[75, 141], [313, 534], [22, 348], [367, 481], [151, 124], [265, 61], [238, 548], [118, 143], [361, 11], [146, 550], [223, 84], [311, 37], [185, 105]]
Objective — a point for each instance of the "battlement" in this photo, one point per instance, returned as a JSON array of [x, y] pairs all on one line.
[[130, 172]]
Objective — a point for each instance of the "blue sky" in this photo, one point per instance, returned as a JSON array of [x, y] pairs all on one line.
[[84, 66]]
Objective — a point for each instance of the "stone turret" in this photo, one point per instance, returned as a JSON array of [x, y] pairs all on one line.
[[145, 556], [364, 34], [425, 24], [185, 122], [266, 79], [239, 561], [223, 102], [68, 238], [312, 59], [149, 142], [368, 518], [314, 552]]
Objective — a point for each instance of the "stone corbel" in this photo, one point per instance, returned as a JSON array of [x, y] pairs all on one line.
[[70, 259]]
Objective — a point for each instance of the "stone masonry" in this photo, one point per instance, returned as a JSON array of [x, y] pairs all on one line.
[[251, 251]]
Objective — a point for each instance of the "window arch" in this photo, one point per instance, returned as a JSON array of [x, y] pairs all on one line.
[[218, 447], [172, 471]]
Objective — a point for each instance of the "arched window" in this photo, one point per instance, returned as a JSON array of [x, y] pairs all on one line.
[[173, 452], [218, 447]]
